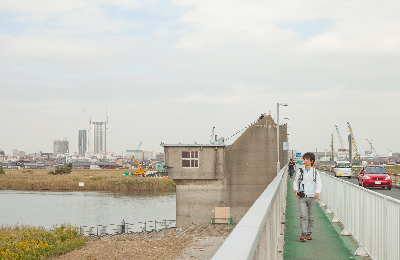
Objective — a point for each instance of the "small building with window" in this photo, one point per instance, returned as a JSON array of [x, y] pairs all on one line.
[[219, 175]]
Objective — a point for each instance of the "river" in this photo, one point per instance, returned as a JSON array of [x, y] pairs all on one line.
[[88, 208]]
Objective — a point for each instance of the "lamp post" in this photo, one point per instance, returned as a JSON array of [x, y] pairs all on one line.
[[278, 164]]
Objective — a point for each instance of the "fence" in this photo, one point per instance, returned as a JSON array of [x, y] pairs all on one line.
[[110, 229], [372, 218], [259, 235]]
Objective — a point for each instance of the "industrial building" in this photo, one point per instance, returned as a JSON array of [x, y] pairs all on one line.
[[218, 175]]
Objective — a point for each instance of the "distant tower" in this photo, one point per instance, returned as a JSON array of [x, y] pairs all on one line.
[[99, 137], [60, 147], [83, 142]]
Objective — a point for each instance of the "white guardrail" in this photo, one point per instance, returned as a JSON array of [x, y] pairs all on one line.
[[372, 218], [259, 234]]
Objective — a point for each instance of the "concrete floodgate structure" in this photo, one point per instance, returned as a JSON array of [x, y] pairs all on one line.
[[326, 243], [216, 175]]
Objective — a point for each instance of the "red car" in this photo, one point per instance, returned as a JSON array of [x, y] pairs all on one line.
[[374, 176]]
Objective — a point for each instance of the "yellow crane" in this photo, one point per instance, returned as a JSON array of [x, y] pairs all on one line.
[[356, 155], [142, 171]]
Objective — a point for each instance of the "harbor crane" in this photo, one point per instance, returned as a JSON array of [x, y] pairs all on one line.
[[339, 137], [372, 148], [354, 145]]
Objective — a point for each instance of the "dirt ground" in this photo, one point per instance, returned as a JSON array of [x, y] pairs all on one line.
[[195, 242]]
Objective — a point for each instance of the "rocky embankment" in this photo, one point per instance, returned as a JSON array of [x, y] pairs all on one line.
[[195, 242]]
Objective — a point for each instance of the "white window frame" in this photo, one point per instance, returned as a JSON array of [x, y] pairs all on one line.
[[192, 159]]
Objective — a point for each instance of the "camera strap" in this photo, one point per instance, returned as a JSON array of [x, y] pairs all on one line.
[[302, 175]]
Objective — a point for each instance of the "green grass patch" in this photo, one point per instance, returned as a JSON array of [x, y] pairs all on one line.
[[26, 242], [393, 169]]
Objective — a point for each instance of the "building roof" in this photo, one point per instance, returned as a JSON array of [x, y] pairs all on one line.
[[195, 145]]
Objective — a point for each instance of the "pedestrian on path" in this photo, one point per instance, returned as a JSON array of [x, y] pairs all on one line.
[[307, 186], [291, 167], [123, 226]]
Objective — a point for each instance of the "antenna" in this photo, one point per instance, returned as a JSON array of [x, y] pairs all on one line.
[[106, 117], [212, 135]]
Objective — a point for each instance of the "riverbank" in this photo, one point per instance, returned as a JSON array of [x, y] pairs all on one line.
[[194, 242], [26, 242], [93, 180]]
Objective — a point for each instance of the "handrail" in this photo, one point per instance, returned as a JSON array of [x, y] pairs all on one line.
[[258, 233], [372, 218]]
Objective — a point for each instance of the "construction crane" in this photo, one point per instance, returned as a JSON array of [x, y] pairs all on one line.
[[137, 150], [142, 171], [372, 148], [354, 145], [90, 118], [339, 137]]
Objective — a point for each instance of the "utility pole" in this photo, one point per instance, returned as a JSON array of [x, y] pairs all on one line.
[[332, 149]]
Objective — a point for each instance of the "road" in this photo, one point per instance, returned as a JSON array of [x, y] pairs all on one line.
[[394, 192]]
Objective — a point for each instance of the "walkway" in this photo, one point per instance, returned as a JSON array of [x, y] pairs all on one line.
[[327, 242]]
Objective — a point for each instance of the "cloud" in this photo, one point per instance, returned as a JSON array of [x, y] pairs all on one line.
[[72, 54]]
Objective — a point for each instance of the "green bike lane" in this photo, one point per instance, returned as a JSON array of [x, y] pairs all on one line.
[[326, 243]]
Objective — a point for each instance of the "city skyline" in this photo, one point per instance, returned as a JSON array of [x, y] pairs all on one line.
[[170, 71]]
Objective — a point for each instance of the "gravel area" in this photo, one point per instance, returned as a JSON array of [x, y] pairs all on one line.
[[194, 242]]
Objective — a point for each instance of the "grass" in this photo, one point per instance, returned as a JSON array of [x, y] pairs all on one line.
[[393, 169], [101, 179], [25, 242]]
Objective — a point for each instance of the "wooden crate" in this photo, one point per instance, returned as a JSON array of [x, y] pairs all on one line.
[[222, 215]]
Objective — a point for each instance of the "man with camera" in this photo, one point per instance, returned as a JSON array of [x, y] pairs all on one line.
[[307, 186]]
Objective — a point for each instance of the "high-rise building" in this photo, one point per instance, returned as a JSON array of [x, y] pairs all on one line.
[[60, 147], [99, 138], [83, 142]]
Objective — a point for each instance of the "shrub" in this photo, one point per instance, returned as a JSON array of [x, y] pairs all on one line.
[[25, 242], [63, 170], [1, 170]]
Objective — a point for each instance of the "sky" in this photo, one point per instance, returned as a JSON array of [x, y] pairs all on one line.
[[170, 71]]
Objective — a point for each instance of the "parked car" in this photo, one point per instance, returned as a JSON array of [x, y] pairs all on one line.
[[342, 169], [374, 176]]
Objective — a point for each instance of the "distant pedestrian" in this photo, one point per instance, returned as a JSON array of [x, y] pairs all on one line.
[[291, 167], [307, 186], [123, 226]]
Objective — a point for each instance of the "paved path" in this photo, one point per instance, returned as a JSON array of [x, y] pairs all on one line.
[[327, 242]]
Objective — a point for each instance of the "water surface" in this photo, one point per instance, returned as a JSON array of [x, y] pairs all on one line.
[[84, 208]]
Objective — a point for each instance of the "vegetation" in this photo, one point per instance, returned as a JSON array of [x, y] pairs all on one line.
[[61, 170], [25, 242], [393, 169], [1, 170], [100, 179]]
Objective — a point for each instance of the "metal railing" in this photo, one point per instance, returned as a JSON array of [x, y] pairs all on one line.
[[112, 229], [259, 234], [372, 218]]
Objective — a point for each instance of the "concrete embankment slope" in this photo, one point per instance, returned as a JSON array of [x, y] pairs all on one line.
[[326, 243]]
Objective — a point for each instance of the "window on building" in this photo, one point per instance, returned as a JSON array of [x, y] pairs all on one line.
[[190, 159]]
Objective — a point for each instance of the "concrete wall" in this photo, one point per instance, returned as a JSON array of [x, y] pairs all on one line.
[[251, 165], [228, 176], [211, 162]]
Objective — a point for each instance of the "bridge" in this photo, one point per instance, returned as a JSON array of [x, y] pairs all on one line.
[[350, 222]]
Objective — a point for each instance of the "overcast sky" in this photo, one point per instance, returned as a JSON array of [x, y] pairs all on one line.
[[168, 71]]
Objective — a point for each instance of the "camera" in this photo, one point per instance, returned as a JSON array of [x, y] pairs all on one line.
[[301, 194]]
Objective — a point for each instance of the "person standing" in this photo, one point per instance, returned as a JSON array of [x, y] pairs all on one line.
[[291, 167], [307, 186], [123, 226]]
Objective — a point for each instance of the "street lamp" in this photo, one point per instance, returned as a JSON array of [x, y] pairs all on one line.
[[278, 164]]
